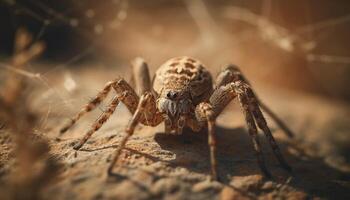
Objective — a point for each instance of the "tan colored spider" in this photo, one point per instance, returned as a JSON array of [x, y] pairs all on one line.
[[183, 95]]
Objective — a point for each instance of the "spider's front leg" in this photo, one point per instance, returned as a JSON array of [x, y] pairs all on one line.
[[232, 73], [251, 109], [145, 110], [124, 93], [205, 113], [231, 84], [146, 102]]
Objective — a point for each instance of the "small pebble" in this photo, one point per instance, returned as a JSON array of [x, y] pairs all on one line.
[[268, 185], [206, 185], [229, 193]]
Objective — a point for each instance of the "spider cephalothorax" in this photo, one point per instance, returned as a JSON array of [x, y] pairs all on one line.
[[175, 106], [180, 84], [182, 94]]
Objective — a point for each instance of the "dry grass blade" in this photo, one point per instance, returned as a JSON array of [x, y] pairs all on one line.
[[34, 167]]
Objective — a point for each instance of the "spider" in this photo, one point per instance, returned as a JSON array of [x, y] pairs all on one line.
[[183, 95]]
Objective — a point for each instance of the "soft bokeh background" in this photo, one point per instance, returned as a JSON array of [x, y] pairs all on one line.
[[295, 54], [300, 45]]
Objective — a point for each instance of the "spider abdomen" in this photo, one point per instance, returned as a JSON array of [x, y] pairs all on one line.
[[183, 73]]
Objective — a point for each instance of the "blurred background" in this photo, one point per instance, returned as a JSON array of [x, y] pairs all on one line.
[[295, 54], [300, 45]]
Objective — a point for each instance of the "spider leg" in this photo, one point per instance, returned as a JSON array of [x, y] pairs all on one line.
[[212, 145], [232, 73], [253, 132], [219, 100], [89, 106], [277, 120], [141, 76], [145, 112], [205, 112], [141, 108], [246, 94], [126, 95], [231, 84], [143, 83], [100, 121], [262, 124]]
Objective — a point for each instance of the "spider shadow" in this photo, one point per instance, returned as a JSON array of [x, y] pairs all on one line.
[[192, 151], [236, 157], [150, 157]]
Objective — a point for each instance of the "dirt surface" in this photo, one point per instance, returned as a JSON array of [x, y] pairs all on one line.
[[159, 166]]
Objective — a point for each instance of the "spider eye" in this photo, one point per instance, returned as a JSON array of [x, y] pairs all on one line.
[[171, 95]]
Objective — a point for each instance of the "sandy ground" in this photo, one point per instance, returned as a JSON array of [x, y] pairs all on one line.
[[159, 166]]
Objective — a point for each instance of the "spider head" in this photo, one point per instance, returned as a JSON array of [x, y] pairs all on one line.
[[175, 105]]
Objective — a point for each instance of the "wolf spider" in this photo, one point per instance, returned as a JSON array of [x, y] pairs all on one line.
[[183, 95]]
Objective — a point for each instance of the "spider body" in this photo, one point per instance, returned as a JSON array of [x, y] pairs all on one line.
[[181, 94], [181, 84]]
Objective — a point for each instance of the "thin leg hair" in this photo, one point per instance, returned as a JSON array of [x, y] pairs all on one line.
[[89, 106]]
